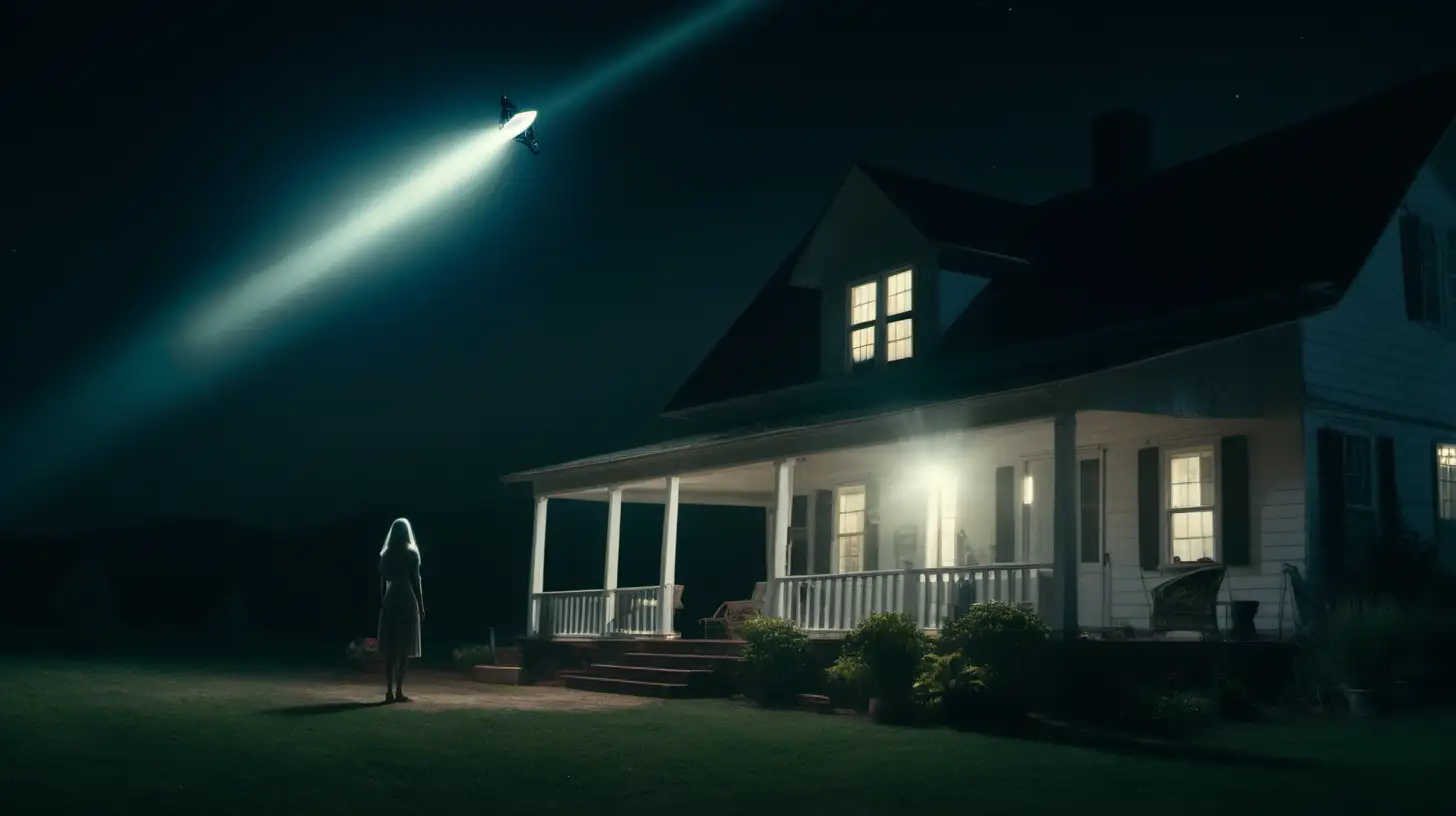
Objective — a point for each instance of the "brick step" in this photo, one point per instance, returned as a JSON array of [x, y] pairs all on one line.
[[614, 685], [690, 646], [664, 660], [693, 678]]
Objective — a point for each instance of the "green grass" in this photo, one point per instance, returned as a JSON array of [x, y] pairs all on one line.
[[111, 738]]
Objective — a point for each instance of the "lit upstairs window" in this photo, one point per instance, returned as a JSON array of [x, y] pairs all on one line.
[[899, 341], [870, 313], [863, 312]]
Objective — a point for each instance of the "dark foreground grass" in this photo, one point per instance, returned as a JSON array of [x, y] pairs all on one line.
[[109, 738]]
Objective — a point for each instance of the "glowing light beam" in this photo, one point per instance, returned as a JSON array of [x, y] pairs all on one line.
[[292, 277], [153, 371]]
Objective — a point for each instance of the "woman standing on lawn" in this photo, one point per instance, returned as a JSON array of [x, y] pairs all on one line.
[[402, 606]]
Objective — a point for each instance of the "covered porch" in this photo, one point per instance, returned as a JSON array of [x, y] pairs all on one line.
[[924, 524]]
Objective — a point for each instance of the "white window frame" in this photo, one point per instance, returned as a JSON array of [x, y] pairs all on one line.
[[839, 536], [882, 319], [1211, 448]]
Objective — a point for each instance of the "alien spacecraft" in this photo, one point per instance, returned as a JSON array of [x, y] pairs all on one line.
[[513, 119]]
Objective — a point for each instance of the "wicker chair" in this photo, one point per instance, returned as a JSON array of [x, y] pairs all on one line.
[[1187, 603]]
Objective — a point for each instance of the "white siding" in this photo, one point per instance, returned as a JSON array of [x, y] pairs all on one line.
[[1364, 354], [1276, 465], [1370, 369]]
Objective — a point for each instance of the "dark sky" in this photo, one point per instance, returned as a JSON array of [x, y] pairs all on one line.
[[552, 315]]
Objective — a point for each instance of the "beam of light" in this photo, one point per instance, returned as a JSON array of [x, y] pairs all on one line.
[[295, 275], [160, 367]]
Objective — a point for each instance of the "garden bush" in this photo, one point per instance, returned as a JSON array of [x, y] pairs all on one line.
[[467, 657], [776, 657], [893, 649], [1007, 643]]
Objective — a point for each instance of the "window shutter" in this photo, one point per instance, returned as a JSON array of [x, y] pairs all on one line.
[[1388, 501], [1431, 274], [1330, 464], [1150, 508], [1410, 264], [1234, 504], [1005, 514], [823, 531], [872, 525]]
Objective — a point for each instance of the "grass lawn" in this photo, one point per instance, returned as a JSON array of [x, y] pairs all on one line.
[[110, 738]]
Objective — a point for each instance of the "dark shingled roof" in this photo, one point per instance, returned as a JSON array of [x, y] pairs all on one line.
[[1299, 206], [1258, 221], [952, 216]]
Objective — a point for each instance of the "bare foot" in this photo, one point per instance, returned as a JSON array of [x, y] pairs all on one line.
[[400, 698], [390, 698]]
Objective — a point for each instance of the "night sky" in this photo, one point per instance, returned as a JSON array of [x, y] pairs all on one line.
[[553, 314]]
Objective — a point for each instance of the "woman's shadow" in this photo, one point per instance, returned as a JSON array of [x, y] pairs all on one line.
[[313, 709]]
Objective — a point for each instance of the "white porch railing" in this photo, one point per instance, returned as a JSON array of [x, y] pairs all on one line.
[[634, 611], [584, 612], [837, 603]]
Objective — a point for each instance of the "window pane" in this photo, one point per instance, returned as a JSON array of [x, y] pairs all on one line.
[[1446, 481], [898, 340], [862, 344], [862, 304], [898, 288], [1191, 482], [1192, 534], [851, 528]]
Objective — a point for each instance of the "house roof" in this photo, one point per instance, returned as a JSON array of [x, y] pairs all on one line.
[[953, 216], [1257, 234], [1298, 206]]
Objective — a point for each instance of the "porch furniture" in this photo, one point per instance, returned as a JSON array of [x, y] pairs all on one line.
[[731, 614], [1188, 603], [1238, 619], [965, 598]]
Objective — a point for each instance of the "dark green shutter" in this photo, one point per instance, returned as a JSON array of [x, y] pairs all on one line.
[[1005, 515], [823, 531], [1412, 268], [799, 536], [1150, 508], [1330, 464], [1387, 499], [872, 526], [1235, 506]]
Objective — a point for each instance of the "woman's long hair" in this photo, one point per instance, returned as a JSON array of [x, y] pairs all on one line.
[[406, 538]]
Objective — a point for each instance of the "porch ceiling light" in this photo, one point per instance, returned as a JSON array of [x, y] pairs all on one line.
[[936, 476]]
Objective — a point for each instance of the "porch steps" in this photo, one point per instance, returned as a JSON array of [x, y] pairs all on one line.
[[674, 668]]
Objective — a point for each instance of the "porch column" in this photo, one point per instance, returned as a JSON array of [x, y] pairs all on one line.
[[1064, 516], [538, 569], [669, 556], [614, 544], [782, 514]]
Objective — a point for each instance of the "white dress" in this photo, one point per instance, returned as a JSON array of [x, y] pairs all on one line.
[[399, 615]]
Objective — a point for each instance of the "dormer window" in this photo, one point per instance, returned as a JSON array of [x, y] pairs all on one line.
[[882, 307]]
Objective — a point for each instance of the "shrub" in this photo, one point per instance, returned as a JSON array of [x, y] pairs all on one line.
[[363, 650], [893, 649], [1234, 699], [1362, 641], [474, 655], [1170, 714], [995, 633], [951, 687], [776, 654], [849, 681]]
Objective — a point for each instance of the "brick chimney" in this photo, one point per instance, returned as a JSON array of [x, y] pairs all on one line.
[[1122, 147]]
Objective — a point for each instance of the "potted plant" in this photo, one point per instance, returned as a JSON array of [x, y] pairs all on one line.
[[1361, 641], [468, 657], [365, 654], [893, 649]]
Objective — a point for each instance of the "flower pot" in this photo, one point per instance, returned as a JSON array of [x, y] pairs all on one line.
[[1361, 702]]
